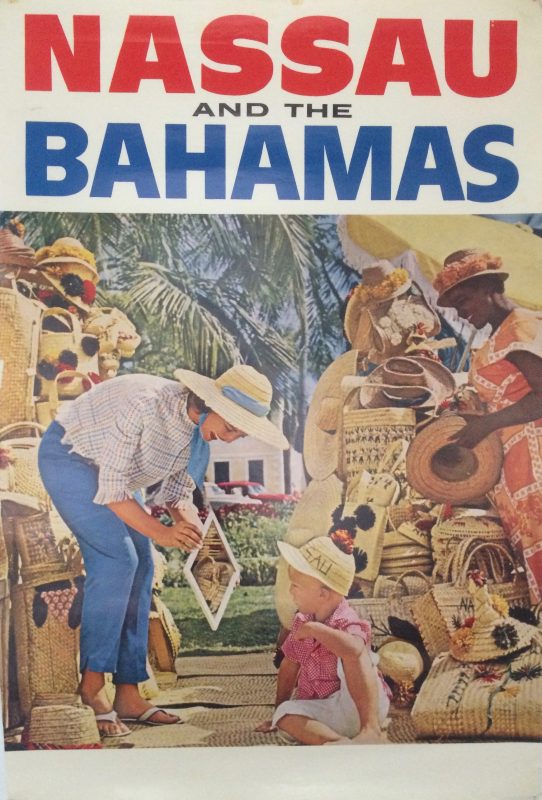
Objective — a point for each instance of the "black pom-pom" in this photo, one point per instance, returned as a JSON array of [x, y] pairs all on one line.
[[526, 615], [337, 515], [24, 288], [365, 517], [355, 593], [68, 357], [403, 629], [360, 559], [505, 636], [39, 609], [72, 284], [56, 301], [74, 614], [90, 345], [47, 370]]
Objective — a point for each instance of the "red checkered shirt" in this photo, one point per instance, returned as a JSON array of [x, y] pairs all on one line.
[[318, 676]]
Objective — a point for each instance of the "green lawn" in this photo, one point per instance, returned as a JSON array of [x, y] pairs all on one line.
[[249, 624]]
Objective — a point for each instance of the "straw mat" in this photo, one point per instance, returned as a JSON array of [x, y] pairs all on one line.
[[244, 664], [224, 690]]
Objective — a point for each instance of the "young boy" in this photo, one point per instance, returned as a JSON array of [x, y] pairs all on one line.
[[340, 697]]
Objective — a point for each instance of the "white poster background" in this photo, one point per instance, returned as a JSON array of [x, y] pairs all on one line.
[[508, 771]]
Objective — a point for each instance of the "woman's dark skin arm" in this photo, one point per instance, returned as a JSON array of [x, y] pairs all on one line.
[[525, 410]]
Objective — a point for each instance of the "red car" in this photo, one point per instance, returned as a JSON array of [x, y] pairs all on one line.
[[257, 492]]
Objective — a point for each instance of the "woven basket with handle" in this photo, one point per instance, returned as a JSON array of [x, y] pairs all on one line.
[[395, 602], [443, 609], [23, 439], [446, 536]]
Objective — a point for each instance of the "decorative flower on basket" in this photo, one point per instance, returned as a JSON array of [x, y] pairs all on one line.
[[383, 290]]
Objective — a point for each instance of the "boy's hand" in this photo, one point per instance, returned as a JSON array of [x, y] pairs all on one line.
[[265, 727], [305, 631]]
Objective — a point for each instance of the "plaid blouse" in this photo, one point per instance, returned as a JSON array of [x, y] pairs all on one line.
[[136, 430], [318, 676]]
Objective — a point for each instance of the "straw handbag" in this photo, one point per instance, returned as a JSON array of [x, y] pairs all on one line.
[[37, 548], [46, 646], [114, 331], [446, 536], [213, 578], [445, 607], [23, 439], [51, 345], [46, 410], [164, 637], [495, 699], [396, 602], [4, 623], [367, 434], [19, 335]]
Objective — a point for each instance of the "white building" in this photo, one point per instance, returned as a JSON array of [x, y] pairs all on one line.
[[248, 459]]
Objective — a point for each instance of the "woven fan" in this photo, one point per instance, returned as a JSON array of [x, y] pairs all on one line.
[[212, 572]]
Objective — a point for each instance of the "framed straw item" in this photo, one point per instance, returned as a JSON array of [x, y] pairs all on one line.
[[212, 572]]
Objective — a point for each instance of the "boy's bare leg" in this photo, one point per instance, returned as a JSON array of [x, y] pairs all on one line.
[[307, 730], [362, 682]]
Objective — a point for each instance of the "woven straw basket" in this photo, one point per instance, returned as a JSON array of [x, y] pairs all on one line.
[[45, 656], [367, 434], [395, 603], [446, 537], [443, 609], [23, 439], [19, 334], [62, 725], [494, 699], [36, 545], [51, 344], [164, 637], [213, 578]]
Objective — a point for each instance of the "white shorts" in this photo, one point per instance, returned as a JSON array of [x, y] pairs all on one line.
[[338, 711]]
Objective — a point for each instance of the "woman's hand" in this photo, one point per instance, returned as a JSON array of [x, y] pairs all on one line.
[[476, 429], [183, 535]]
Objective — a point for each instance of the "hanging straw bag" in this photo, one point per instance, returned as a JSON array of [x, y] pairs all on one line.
[[114, 331], [52, 343], [23, 439], [446, 606], [19, 336], [46, 644], [396, 600], [46, 410], [494, 699]]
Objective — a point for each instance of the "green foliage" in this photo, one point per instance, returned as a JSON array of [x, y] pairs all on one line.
[[249, 624]]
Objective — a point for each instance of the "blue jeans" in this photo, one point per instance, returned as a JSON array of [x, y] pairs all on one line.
[[118, 564]]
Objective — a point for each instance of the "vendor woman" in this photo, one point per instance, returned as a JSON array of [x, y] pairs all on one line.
[[507, 374], [126, 434]]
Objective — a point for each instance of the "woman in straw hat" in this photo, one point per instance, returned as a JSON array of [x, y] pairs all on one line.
[[507, 373], [126, 434]]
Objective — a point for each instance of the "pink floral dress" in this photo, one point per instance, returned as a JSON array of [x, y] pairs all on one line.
[[518, 495]]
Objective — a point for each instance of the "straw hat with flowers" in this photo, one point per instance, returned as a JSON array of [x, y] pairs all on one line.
[[242, 396], [70, 269], [463, 265]]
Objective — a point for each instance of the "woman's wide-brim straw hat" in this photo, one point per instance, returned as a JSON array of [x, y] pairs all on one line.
[[407, 381], [321, 442], [242, 396], [321, 559], [462, 266], [493, 635], [374, 277], [67, 256], [444, 472]]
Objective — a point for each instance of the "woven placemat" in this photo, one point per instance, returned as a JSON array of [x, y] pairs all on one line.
[[224, 690], [244, 664], [207, 727]]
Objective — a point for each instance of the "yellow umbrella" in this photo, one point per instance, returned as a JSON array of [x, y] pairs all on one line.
[[432, 238]]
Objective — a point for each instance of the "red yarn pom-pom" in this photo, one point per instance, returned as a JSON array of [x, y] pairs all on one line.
[[89, 292]]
